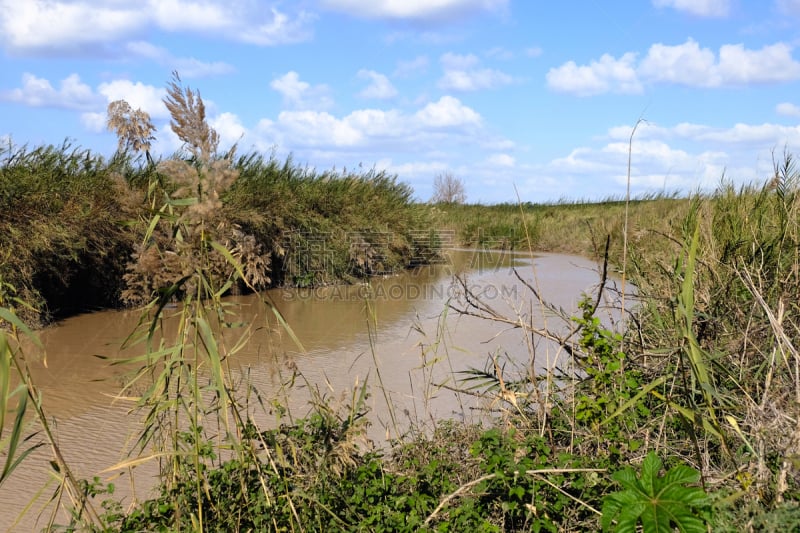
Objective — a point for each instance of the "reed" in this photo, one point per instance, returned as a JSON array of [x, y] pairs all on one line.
[[698, 375]]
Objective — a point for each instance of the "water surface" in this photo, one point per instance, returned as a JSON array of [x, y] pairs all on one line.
[[398, 333]]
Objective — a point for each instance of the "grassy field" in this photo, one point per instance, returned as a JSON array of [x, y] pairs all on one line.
[[577, 228], [686, 418]]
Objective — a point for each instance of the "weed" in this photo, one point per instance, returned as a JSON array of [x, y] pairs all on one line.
[[659, 503]]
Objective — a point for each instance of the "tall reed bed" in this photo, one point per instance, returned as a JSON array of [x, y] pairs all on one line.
[[66, 234], [705, 372], [61, 231]]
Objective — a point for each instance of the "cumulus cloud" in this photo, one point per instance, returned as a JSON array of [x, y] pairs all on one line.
[[229, 128], [656, 166], [56, 27], [139, 95], [447, 112], [688, 64], [72, 93], [607, 74], [735, 137], [362, 128], [464, 73], [300, 94], [415, 9], [680, 157], [684, 64], [699, 8], [745, 134], [177, 15], [93, 121], [788, 109], [380, 87]]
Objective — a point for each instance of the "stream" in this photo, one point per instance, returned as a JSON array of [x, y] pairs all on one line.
[[417, 344]]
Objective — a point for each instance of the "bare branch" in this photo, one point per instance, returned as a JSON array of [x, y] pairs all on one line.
[[448, 189]]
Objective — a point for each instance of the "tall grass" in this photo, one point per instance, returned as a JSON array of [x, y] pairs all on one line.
[[707, 367], [66, 231], [705, 371], [61, 210]]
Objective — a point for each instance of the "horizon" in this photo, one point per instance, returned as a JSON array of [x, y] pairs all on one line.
[[500, 93]]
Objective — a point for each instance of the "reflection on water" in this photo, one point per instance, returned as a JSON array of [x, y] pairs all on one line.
[[412, 328]]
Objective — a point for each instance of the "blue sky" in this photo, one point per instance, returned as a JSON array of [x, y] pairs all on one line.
[[537, 96]]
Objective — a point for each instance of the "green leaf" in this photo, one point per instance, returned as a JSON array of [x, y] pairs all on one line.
[[11, 318], [659, 503], [16, 434]]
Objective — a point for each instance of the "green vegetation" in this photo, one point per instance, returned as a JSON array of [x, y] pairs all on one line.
[[699, 392], [70, 221], [566, 227]]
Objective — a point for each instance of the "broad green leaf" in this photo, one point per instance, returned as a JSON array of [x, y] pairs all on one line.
[[658, 504]]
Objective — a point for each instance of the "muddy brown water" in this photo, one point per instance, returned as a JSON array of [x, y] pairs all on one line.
[[418, 343]]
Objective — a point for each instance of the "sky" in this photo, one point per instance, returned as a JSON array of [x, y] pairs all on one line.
[[519, 99]]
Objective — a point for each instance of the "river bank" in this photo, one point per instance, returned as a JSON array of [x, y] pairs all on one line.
[[420, 349], [691, 390], [73, 222]]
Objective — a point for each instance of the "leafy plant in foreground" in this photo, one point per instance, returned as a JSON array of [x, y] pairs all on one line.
[[658, 503]]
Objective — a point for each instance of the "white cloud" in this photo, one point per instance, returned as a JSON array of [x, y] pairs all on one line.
[[300, 94], [656, 166], [451, 61], [139, 95], [463, 73], [93, 121], [750, 134], [177, 15], [788, 109], [700, 8], [319, 128], [756, 136], [501, 160], [229, 128], [683, 157], [739, 66], [380, 87], [58, 27], [684, 64], [688, 64], [434, 132], [417, 169], [72, 93], [41, 24], [415, 9], [377, 123], [447, 112], [608, 74], [281, 29], [39, 92], [189, 67], [418, 65]]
